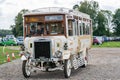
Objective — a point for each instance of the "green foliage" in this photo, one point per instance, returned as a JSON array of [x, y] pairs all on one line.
[[108, 14], [17, 29], [3, 32], [101, 21], [116, 21]]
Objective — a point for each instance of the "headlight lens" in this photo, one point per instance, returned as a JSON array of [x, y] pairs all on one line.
[[58, 54]]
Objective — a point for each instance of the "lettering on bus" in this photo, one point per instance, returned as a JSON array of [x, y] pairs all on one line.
[[53, 18]]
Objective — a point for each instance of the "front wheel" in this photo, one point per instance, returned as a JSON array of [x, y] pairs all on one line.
[[67, 68], [26, 68]]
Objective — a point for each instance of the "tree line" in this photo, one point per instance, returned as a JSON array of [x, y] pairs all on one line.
[[102, 20], [3, 32]]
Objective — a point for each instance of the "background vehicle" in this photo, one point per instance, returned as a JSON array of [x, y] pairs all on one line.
[[19, 40], [56, 38], [98, 40], [7, 42], [10, 36]]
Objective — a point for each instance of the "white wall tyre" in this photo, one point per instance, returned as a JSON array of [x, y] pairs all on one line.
[[26, 69], [67, 68]]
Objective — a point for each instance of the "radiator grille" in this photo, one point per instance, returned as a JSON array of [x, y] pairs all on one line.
[[42, 49]]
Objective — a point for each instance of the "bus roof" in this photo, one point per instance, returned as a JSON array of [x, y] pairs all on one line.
[[57, 10]]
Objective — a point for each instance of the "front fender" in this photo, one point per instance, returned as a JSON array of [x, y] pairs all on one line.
[[23, 58], [24, 55], [66, 55]]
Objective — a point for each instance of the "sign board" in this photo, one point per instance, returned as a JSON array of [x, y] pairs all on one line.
[[54, 18]]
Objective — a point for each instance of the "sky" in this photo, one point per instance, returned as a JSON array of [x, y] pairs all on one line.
[[10, 8]]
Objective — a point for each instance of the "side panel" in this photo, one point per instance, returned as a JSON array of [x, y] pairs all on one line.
[[79, 44], [85, 42]]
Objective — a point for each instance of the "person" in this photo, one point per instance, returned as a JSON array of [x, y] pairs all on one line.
[[32, 31], [40, 29]]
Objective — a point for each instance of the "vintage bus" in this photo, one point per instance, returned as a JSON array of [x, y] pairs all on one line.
[[55, 38]]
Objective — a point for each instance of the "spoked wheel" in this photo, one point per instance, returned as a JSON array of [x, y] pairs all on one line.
[[67, 68], [26, 68]]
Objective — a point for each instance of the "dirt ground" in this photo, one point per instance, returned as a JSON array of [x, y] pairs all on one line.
[[104, 64]]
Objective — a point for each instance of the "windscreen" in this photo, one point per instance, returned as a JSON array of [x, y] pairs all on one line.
[[44, 25], [49, 28]]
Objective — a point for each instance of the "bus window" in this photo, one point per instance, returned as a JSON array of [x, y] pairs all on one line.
[[75, 27], [54, 28], [84, 29], [33, 28], [70, 28], [40, 28], [48, 28], [87, 29], [80, 29]]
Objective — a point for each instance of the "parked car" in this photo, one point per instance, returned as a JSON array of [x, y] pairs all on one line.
[[7, 42], [97, 40], [10, 36], [19, 41]]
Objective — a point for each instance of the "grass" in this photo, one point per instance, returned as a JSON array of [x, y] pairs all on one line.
[[112, 44], [8, 50]]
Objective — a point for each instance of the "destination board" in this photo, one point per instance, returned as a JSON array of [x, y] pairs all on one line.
[[54, 18]]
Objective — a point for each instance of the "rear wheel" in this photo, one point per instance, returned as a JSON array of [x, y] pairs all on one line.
[[26, 68], [67, 68]]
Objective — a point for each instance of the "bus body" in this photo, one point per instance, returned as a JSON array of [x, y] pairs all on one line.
[[55, 38]]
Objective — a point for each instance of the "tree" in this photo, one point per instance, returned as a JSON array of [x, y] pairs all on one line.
[[116, 21], [17, 29], [108, 14], [101, 24], [3, 32], [13, 29]]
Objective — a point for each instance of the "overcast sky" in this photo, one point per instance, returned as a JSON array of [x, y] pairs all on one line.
[[10, 8]]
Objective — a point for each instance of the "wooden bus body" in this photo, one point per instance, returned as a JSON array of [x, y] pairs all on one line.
[[56, 38]]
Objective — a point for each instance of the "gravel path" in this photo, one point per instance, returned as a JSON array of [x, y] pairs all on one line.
[[104, 64]]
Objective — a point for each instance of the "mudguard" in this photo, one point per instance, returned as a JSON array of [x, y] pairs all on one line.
[[24, 55], [23, 58]]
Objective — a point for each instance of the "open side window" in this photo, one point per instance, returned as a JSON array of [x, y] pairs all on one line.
[[70, 28]]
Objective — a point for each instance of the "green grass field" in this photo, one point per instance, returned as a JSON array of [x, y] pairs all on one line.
[[111, 44], [3, 56]]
